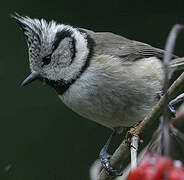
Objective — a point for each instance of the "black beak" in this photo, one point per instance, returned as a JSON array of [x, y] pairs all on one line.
[[33, 76]]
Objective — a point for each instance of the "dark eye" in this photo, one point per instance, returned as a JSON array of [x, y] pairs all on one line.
[[46, 60]]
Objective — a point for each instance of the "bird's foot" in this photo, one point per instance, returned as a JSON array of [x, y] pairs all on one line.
[[105, 159], [170, 106], [159, 94], [172, 110]]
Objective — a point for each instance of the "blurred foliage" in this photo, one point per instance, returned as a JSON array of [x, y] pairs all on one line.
[[39, 137]]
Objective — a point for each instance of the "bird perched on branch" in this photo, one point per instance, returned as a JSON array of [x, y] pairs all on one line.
[[102, 76]]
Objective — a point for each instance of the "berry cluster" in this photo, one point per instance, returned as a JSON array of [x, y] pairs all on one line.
[[155, 167]]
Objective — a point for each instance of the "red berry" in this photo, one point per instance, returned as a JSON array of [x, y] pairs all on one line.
[[149, 174], [135, 175], [155, 167], [163, 164], [176, 173]]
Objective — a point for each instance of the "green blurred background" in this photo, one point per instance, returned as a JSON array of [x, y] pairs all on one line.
[[39, 137]]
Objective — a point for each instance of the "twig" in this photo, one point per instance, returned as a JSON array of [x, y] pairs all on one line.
[[165, 124], [127, 169], [122, 152], [133, 150]]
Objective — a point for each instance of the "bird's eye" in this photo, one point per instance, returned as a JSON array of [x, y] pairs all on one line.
[[46, 60]]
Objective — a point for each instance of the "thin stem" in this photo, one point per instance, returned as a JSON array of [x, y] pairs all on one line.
[[133, 150]]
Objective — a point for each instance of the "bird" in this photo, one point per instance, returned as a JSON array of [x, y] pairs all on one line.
[[101, 76]]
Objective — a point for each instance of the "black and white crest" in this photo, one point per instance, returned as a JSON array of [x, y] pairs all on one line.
[[31, 29], [37, 32], [59, 53]]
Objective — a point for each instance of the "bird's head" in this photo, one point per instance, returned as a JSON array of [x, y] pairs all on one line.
[[57, 52]]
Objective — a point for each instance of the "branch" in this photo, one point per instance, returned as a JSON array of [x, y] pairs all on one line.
[[95, 170], [122, 153]]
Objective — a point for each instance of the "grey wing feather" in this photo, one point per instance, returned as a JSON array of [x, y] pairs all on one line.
[[111, 44]]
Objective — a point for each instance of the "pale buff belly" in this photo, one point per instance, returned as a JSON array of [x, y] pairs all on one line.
[[116, 100]]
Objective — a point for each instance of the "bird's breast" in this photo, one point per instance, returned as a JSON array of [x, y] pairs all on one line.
[[116, 94]]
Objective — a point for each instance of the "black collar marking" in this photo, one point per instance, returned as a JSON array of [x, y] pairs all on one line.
[[62, 86]]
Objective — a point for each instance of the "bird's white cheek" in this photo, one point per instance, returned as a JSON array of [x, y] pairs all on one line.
[[50, 73]]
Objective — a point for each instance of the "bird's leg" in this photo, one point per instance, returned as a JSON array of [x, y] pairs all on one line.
[[105, 157], [170, 106]]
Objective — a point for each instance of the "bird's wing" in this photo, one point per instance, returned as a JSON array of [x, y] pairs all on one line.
[[114, 45]]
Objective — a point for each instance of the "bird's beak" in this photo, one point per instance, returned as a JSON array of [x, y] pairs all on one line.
[[33, 76]]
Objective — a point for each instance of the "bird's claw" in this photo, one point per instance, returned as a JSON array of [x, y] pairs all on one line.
[[172, 110], [108, 168], [170, 106], [105, 157]]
